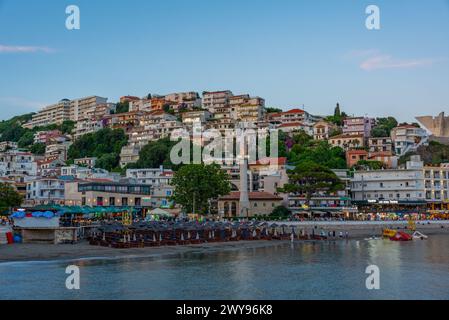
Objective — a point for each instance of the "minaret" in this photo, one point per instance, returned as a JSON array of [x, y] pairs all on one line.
[[244, 198]]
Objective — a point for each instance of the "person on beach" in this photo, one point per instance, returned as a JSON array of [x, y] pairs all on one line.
[[347, 235]]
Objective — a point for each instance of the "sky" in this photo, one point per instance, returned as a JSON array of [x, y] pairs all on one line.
[[293, 53]]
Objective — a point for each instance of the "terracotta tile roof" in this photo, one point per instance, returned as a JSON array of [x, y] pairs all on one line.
[[292, 124], [235, 195], [270, 161]]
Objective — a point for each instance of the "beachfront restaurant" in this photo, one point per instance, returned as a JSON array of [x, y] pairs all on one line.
[[392, 209], [321, 207]]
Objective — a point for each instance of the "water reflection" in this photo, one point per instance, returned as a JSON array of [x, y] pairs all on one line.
[[311, 270]]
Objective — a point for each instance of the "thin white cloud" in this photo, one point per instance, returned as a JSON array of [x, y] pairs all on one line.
[[24, 49], [374, 59], [388, 62]]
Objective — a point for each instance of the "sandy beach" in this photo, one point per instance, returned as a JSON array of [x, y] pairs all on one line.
[[356, 230]]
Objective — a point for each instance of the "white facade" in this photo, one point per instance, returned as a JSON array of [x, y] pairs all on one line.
[[408, 138], [153, 177], [390, 185], [45, 191]]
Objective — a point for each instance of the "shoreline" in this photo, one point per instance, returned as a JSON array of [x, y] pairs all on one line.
[[84, 251]]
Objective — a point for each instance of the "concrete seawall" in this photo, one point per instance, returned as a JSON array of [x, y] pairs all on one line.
[[361, 229]]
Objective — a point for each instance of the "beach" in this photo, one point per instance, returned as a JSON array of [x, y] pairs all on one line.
[[82, 250]]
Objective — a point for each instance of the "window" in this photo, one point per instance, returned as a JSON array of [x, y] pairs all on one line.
[[112, 201], [124, 201]]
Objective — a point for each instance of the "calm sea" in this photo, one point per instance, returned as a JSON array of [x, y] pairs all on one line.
[[327, 270]]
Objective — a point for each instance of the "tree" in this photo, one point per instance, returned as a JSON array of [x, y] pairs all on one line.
[[122, 107], [9, 197], [67, 127], [26, 139], [273, 110], [98, 144], [309, 178], [38, 148], [383, 127], [280, 212], [337, 112], [154, 155], [108, 161], [196, 184], [370, 164]]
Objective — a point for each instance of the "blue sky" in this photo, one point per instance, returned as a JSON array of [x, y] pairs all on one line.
[[290, 52]]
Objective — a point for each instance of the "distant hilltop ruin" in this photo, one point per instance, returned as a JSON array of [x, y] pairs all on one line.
[[438, 126]]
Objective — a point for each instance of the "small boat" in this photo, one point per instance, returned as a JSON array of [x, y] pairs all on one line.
[[419, 236], [389, 233], [401, 236]]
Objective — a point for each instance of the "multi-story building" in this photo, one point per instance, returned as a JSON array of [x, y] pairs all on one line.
[[15, 162], [347, 141], [353, 157], [88, 125], [269, 174], [45, 190], [196, 116], [407, 138], [436, 186], [57, 151], [96, 193], [184, 100], [322, 130], [66, 109], [53, 114], [247, 109], [382, 144], [49, 167], [291, 116], [88, 162], [153, 177], [217, 103], [86, 107], [396, 185], [8, 145], [358, 126], [47, 137], [77, 172]]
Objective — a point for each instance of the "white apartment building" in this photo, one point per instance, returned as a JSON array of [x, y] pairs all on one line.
[[390, 185], [88, 125], [54, 114], [17, 163], [247, 109], [217, 103], [84, 107], [436, 185], [46, 190], [154, 177], [82, 173], [408, 138]]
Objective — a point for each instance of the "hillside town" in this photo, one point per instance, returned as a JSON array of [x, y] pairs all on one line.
[[383, 166]]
